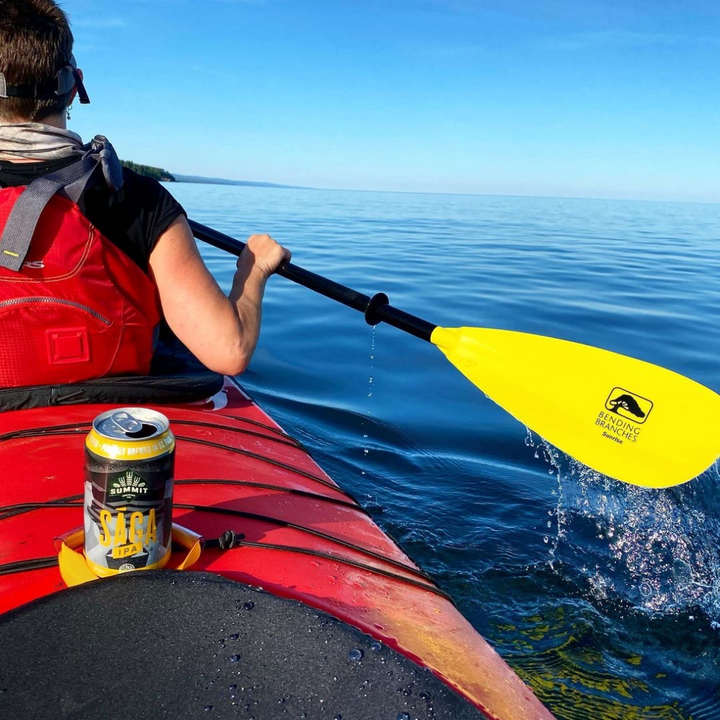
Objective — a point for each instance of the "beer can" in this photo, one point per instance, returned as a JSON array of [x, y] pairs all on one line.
[[129, 464]]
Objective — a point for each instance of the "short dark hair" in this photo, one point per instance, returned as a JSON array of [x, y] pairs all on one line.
[[35, 42]]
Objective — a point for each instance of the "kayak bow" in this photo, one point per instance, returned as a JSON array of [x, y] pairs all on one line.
[[271, 518]]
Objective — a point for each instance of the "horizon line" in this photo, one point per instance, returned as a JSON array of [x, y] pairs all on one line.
[[280, 186]]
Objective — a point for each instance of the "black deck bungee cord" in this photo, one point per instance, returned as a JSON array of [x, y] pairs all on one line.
[[353, 563], [74, 429], [27, 565], [19, 508], [236, 541], [49, 562], [282, 438], [269, 486], [74, 501], [278, 436], [310, 531]]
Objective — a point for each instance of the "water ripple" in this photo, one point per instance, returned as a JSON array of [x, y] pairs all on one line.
[[605, 598]]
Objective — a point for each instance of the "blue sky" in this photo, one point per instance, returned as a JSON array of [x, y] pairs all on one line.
[[580, 98]]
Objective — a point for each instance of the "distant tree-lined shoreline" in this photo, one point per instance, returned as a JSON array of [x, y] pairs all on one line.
[[149, 171], [162, 175]]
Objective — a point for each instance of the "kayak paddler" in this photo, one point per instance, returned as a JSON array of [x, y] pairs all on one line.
[[92, 255]]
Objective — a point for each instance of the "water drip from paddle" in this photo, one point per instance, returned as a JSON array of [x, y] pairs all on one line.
[[368, 412]]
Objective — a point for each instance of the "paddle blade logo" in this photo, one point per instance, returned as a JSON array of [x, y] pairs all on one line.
[[629, 405]]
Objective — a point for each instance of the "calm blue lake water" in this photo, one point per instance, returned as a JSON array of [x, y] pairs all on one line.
[[605, 598]]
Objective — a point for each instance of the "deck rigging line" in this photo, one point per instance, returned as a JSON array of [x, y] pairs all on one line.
[[75, 501], [74, 429]]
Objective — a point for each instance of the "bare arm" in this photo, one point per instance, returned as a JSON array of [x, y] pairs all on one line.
[[220, 331]]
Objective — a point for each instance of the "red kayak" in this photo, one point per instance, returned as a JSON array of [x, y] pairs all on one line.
[[272, 519]]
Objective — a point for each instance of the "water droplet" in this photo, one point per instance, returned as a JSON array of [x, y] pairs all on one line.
[[233, 686], [546, 539], [208, 708], [681, 571], [234, 658], [235, 636], [355, 655], [425, 695], [249, 605], [338, 717], [402, 716], [376, 646]]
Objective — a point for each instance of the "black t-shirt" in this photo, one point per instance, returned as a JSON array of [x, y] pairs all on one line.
[[132, 218]]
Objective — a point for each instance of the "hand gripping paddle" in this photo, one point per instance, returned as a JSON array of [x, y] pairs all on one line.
[[623, 417]]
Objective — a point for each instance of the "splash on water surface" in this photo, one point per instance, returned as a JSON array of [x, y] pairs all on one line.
[[658, 550]]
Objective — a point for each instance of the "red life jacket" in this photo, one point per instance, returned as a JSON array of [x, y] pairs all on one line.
[[77, 308]]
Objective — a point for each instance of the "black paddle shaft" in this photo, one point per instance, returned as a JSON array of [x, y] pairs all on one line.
[[376, 308]]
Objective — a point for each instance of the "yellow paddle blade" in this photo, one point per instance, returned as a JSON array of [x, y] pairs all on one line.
[[625, 418]]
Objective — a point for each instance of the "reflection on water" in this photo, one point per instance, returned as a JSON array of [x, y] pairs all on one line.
[[640, 574], [566, 660]]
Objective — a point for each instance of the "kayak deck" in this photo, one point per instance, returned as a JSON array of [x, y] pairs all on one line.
[[299, 535], [241, 652]]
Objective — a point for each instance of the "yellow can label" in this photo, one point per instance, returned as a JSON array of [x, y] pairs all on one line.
[[130, 449], [128, 491]]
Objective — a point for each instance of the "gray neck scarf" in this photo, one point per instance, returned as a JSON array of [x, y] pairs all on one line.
[[35, 141]]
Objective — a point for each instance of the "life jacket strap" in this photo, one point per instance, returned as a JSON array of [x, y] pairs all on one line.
[[72, 180]]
